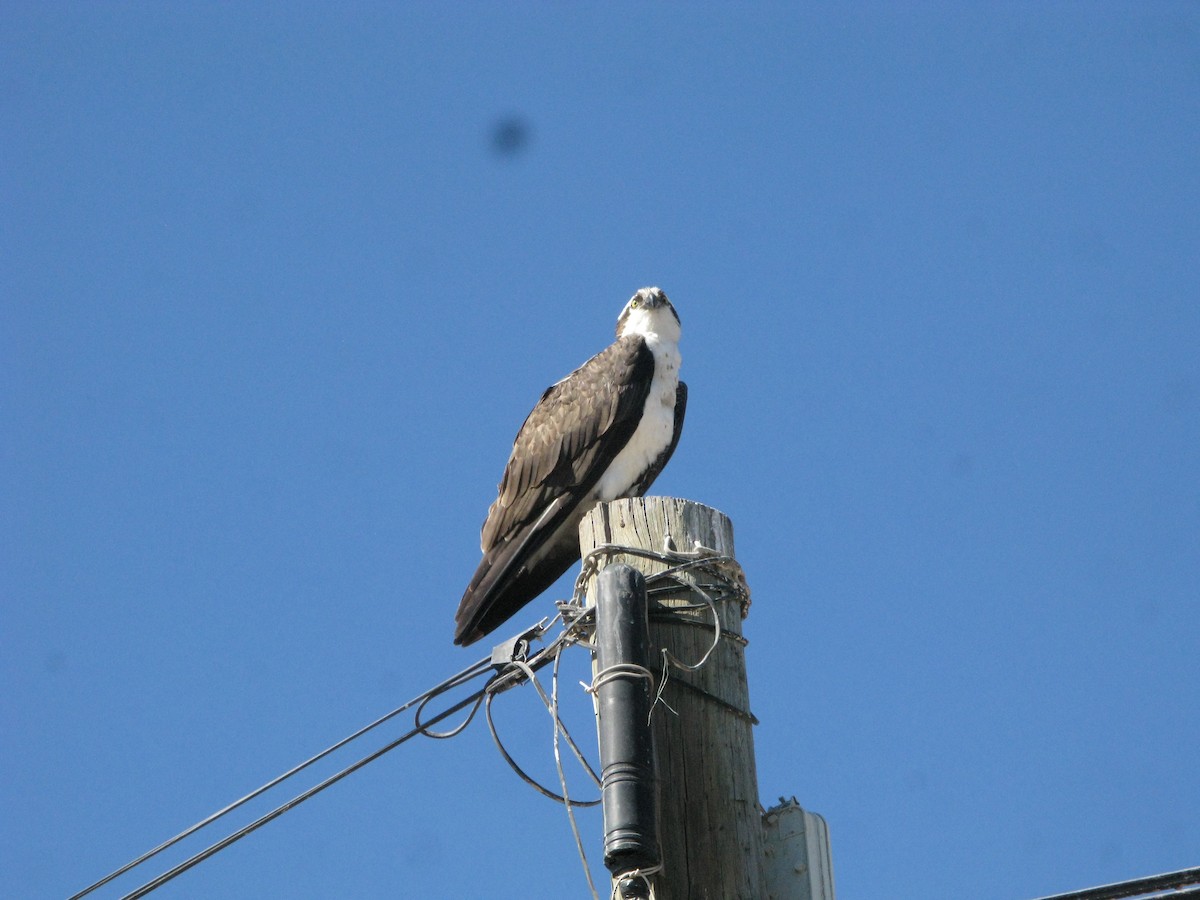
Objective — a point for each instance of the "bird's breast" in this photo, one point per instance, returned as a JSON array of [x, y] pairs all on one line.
[[654, 431]]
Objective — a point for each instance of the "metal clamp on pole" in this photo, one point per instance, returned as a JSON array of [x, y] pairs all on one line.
[[624, 690], [517, 647]]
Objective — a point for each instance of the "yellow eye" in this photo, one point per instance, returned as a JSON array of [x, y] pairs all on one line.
[[635, 303]]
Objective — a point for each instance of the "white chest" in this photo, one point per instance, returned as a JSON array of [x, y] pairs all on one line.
[[655, 430]]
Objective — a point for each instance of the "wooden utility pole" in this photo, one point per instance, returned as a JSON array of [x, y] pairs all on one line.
[[710, 820]]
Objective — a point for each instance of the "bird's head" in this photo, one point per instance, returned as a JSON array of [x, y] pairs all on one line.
[[649, 312]]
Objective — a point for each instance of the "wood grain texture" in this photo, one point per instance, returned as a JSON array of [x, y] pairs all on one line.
[[709, 813]]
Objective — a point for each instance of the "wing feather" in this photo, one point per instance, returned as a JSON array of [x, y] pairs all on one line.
[[565, 444], [564, 430]]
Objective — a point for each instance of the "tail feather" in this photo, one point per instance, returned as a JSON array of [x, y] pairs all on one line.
[[514, 572]]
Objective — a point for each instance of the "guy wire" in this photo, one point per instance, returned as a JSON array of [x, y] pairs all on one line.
[[471, 672]]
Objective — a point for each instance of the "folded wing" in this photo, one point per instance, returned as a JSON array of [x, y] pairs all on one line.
[[566, 443]]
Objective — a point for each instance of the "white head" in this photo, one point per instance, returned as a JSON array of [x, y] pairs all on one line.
[[649, 312]]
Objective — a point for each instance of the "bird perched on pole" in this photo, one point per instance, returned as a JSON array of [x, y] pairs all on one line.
[[603, 432]]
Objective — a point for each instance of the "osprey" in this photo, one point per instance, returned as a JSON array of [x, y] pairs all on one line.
[[603, 432]]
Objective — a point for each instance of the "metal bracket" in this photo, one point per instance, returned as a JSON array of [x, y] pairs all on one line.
[[517, 648]]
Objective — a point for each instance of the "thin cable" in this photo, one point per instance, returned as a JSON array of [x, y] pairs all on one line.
[[640, 874], [521, 773], [716, 630], [1151, 884], [551, 704], [562, 776], [730, 585], [553, 710], [497, 682], [466, 674], [423, 727], [569, 635], [204, 854]]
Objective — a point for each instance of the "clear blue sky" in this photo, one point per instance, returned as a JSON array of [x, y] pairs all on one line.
[[275, 302]]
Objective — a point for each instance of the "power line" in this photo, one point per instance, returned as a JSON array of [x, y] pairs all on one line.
[[298, 799], [466, 674], [504, 676], [1156, 885]]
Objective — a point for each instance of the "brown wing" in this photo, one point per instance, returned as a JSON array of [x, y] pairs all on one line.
[[565, 445]]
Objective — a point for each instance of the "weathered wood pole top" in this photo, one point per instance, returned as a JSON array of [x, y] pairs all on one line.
[[709, 812]]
